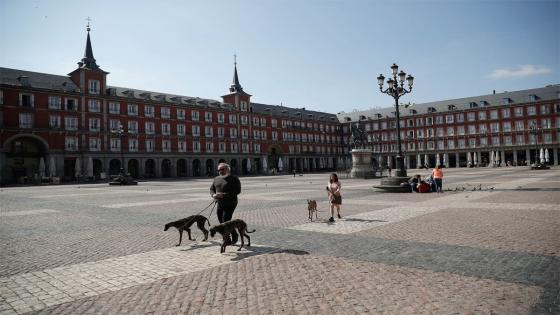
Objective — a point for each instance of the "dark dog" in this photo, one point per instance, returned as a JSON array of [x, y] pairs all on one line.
[[185, 225], [227, 228], [312, 207]]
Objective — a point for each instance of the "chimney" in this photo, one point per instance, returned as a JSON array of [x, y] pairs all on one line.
[[494, 92]]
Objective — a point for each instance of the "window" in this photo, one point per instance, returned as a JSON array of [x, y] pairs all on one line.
[[209, 147], [194, 116], [519, 125], [495, 140], [208, 131], [505, 113], [93, 87], [482, 115], [494, 114], [506, 126], [132, 127], [519, 112], [450, 131], [71, 123], [460, 130], [244, 133], [26, 100], [221, 118], [222, 147], [166, 146], [531, 110], [71, 104], [94, 144], [495, 127], [472, 142], [114, 108], [244, 106], [547, 136], [71, 143], [181, 114], [461, 143], [245, 148], [233, 147], [25, 120], [449, 119], [182, 146], [471, 116], [439, 132], [132, 109], [256, 121], [257, 148], [54, 121], [472, 129], [274, 123], [482, 128], [195, 131], [221, 132], [165, 129], [275, 136], [232, 119], [115, 145], [450, 144], [149, 145], [545, 109], [180, 130], [149, 111], [165, 112], [263, 122], [94, 124], [439, 120], [244, 120], [519, 139], [196, 146], [1, 97], [54, 102], [233, 132], [546, 123], [133, 145], [114, 124], [507, 140], [94, 106], [150, 128], [208, 116]]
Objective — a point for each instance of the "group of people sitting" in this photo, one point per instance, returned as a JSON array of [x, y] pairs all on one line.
[[432, 183]]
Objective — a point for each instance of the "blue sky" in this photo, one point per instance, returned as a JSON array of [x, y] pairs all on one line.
[[322, 55]]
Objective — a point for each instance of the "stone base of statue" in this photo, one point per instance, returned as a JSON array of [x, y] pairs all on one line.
[[123, 180], [361, 164], [397, 183], [394, 184]]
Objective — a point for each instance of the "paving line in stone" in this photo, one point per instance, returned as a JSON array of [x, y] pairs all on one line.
[[37, 290], [26, 212]]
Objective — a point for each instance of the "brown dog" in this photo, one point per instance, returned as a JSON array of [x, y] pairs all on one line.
[[312, 207]]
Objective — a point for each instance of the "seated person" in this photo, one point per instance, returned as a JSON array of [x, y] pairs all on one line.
[[414, 181], [423, 187]]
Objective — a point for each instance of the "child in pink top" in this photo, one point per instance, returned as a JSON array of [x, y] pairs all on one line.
[[335, 199]]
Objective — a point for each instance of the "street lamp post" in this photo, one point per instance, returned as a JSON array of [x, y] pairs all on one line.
[[535, 130], [120, 132], [396, 89]]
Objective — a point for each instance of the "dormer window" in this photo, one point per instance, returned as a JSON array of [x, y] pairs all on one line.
[[533, 98], [506, 101], [378, 115], [412, 111], [347, 119], [473, 105], [94, 87], [451, 107], [362, 117], [484, 103], [431, 110]]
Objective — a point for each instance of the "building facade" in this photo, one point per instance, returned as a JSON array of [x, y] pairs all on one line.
[[499, 129], [77, 126]]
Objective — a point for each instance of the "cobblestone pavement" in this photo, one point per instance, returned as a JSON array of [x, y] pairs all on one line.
[[488, 245]]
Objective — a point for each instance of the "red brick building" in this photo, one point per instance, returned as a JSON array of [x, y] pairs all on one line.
[[79, 126]]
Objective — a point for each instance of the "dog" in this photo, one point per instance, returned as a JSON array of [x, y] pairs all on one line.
[[185, 225], [227, 228], [312, 207]]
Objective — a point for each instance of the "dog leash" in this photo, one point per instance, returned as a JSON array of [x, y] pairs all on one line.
[[213, 202]]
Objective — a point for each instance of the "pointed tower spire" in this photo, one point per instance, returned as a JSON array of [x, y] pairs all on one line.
[[88, 61], [235, 87]]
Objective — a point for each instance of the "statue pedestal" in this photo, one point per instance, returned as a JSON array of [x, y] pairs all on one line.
[[361, 164]]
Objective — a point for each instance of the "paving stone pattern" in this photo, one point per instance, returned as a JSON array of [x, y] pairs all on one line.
[[95, 249]]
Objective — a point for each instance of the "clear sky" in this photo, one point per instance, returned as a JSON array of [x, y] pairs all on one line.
[[322, 55]]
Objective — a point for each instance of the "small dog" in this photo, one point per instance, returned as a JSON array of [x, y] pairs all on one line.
[[227, 228], [312, 207], [185, 225]]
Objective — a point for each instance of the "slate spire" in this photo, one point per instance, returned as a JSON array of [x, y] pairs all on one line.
[[235, 87], [88, 61]]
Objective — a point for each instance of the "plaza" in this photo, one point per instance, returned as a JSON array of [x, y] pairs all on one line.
[[490, 244]]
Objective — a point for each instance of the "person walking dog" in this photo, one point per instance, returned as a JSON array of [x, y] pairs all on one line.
[[224, 190]]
